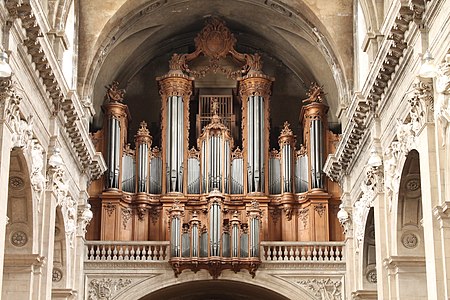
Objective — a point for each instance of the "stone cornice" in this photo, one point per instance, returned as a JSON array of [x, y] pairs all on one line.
[[46, 65], [363, 106]]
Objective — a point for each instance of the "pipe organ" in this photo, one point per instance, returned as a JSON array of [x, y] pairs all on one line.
[[213, 200]]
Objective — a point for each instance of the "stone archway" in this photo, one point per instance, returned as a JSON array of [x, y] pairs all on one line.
[[214, 290], [230, 285]]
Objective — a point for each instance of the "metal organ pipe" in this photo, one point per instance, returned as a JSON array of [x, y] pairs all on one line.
[[175, 137]]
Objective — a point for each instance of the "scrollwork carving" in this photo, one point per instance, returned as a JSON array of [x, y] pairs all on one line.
[[126, 216], [106, 288], [323, 288], [113, 93]]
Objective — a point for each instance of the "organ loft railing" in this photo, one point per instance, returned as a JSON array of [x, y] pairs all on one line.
[[214, 201]]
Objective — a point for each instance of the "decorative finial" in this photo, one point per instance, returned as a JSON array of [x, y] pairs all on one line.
[[315, 94], [286, 129], [113, 93], [143, 129]]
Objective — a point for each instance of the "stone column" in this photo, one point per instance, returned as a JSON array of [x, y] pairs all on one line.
[[5, 151]]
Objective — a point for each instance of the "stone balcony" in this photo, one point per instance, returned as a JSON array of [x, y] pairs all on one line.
[[122, 265]]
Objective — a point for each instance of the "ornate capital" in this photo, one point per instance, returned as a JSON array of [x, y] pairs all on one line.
[[255, 86], [174, 85], [421, 105]]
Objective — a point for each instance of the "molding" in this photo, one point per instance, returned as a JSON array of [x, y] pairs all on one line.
[[362, 107], [41, 53]]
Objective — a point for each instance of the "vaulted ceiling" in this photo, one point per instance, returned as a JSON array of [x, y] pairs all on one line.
[[132, 41]]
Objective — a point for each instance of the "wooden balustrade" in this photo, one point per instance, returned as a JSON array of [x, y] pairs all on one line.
[[302, 251], [126, 251]]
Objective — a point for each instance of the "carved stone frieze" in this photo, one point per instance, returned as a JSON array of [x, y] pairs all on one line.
[[323, 288], [106, 288]]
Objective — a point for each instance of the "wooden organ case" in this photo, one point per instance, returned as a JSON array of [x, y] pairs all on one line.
[[215, 202]]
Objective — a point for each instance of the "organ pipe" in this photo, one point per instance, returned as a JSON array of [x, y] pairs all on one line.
[[254, 90], [143, 142], [176, 213], [313, 118], [116, 123], [287, 144], [254, 214], [175, 89]]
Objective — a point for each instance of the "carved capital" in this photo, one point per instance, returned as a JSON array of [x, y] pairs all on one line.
[[172, 85], [421, 105], [255, 86]]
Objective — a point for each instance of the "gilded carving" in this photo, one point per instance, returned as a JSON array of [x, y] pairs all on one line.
[[315, 94], [113, 93]]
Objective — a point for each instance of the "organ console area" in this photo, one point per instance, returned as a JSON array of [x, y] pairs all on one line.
[[213, 187]]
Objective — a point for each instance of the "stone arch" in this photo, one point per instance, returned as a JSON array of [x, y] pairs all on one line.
[[369, 272], [304, 24], [409, 209], [288, 288], [21, 263], [60, 254], [373, 13]]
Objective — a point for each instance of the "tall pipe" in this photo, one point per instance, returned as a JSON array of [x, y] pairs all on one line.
[[255, 92], [143, 142], [175, 89]]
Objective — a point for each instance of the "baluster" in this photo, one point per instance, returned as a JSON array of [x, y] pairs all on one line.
[[108, 252], [103, 253], [297, 253], [325, 254], [92, 253], [338, 257], [343, 253], [144, 253], [269, 253], [303, 253], [132, 252], [285, 253], [314, 253], [320, 253], [332, 254], [138, 253], [291, 254], [161, 253], [308, 253], [120, 255], [127, 253], [114, 252], [279, 253], [97, 253]]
